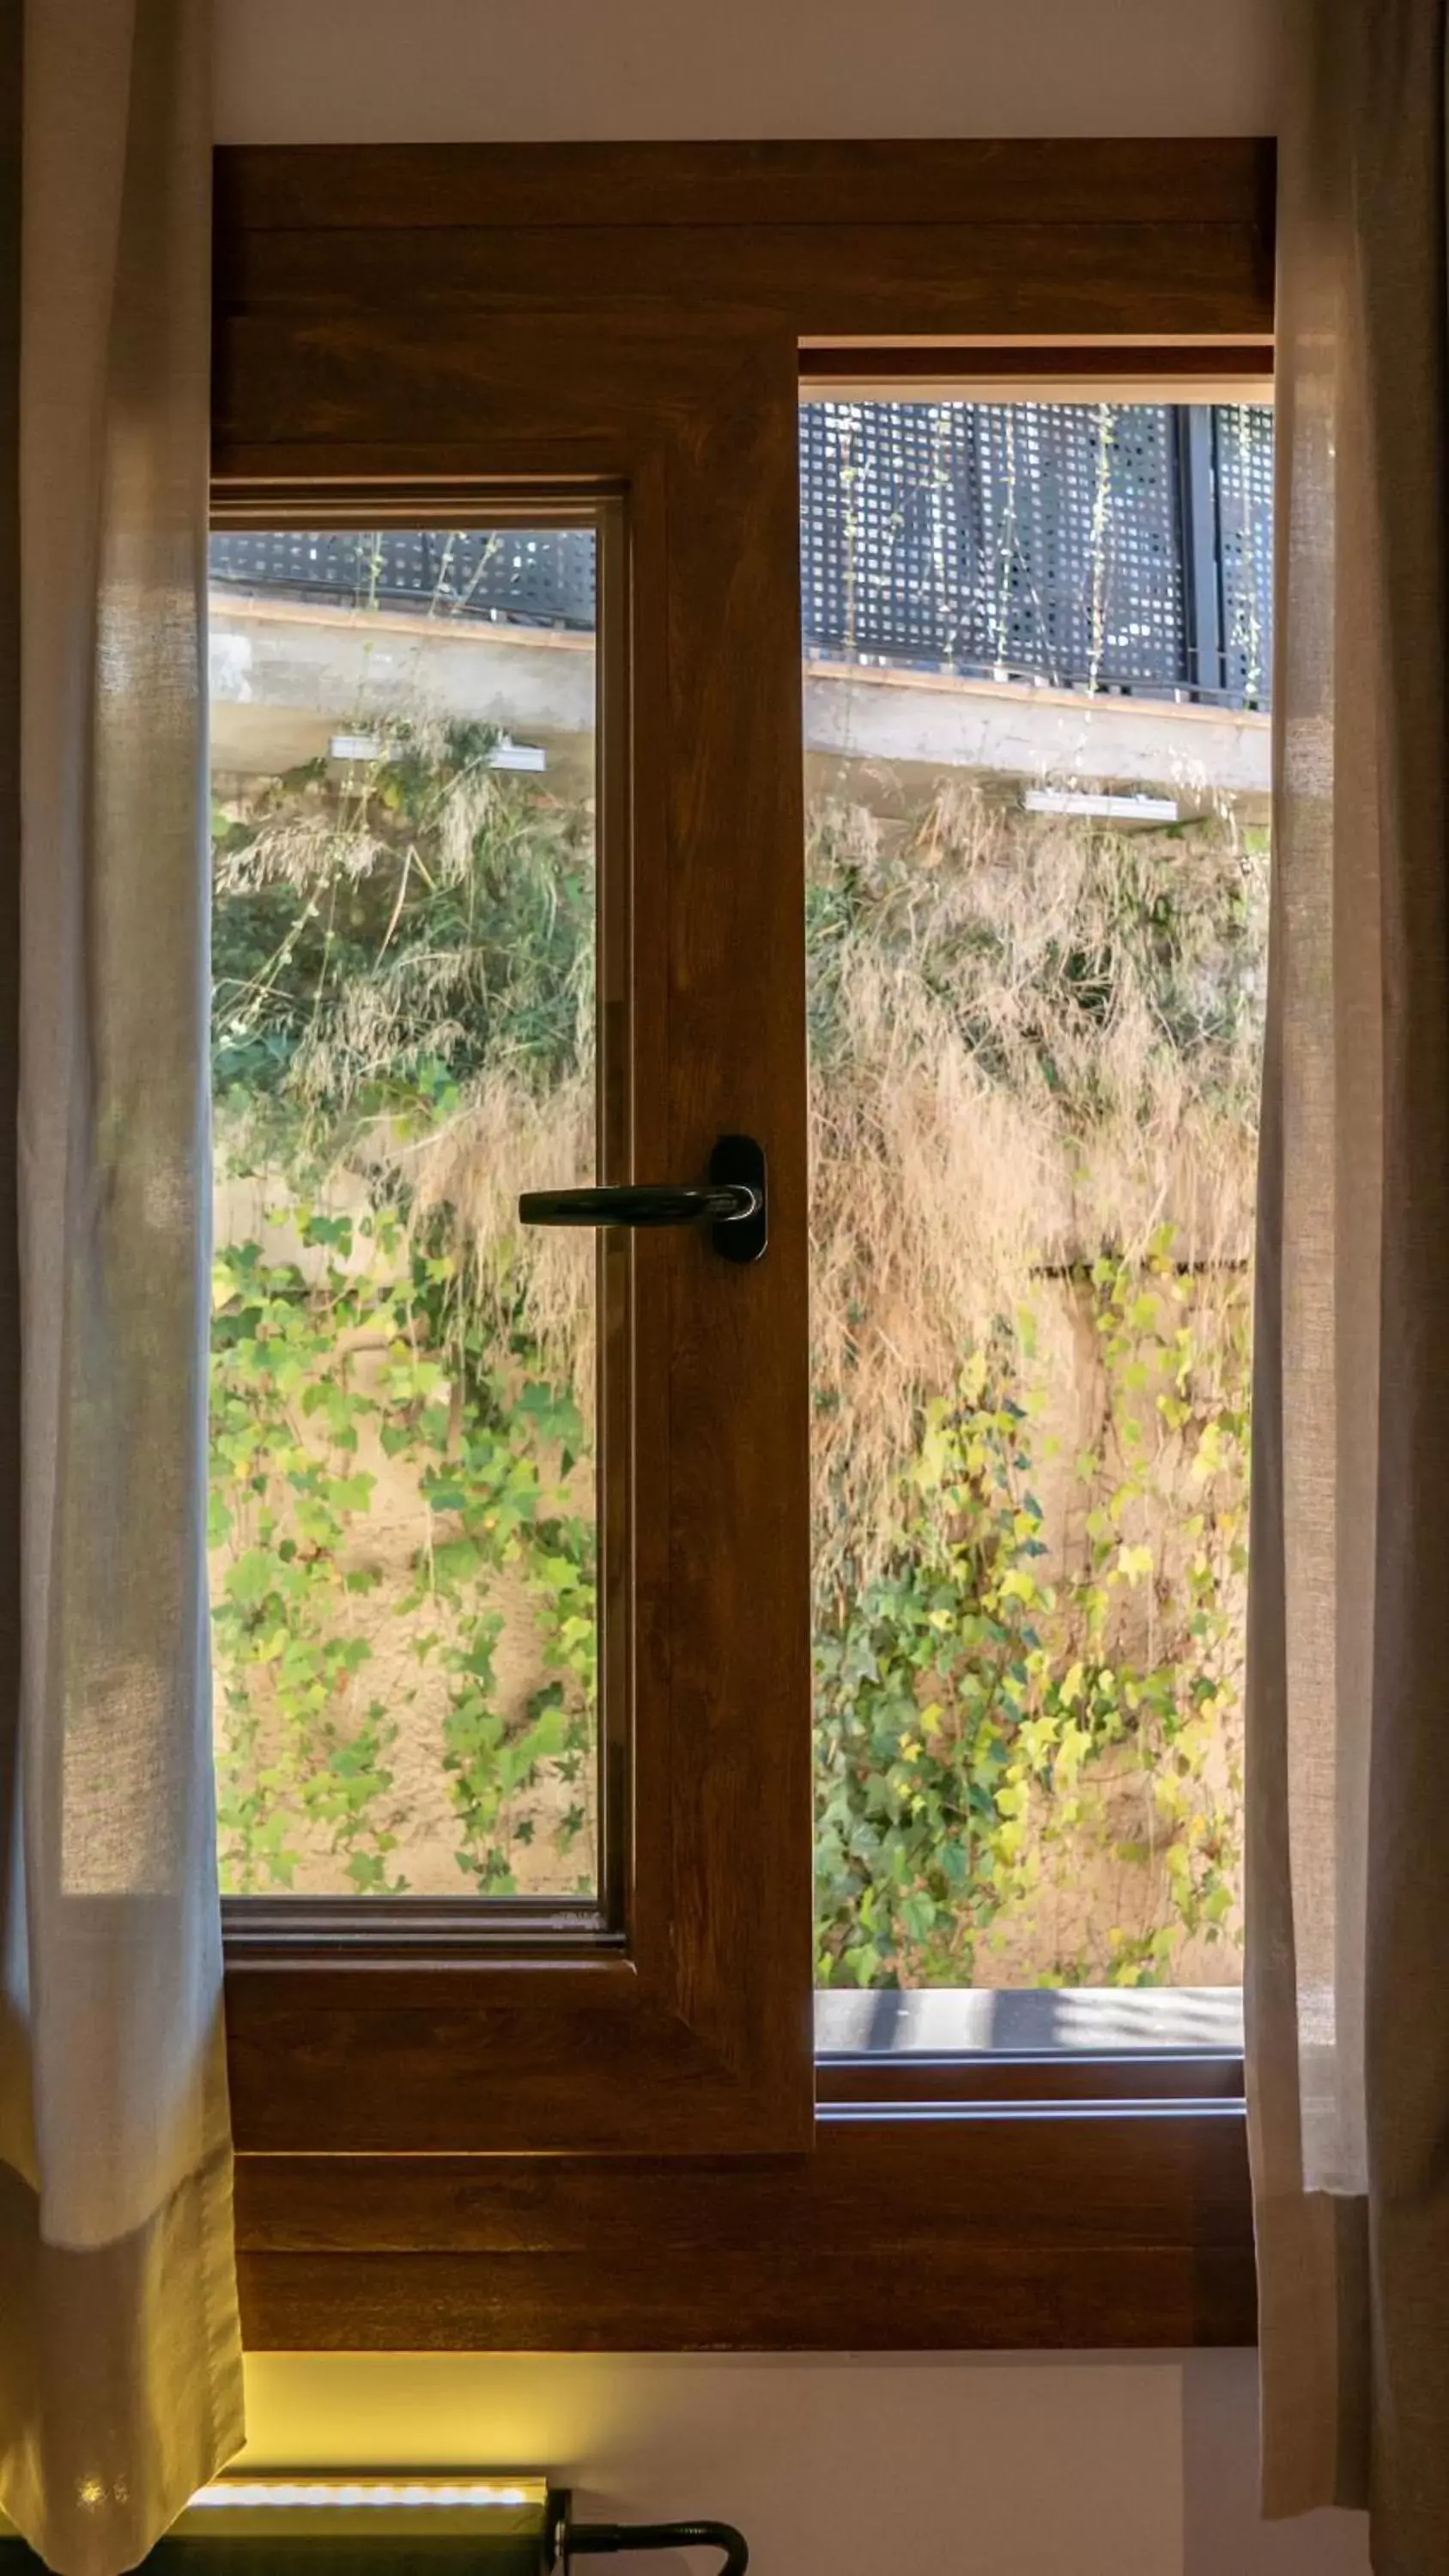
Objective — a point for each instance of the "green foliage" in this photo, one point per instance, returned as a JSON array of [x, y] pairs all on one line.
[[975, 1720], [380, 940], [308, 1362], [502, 1489], [375, 944], [966, 1705], [1026, 1676], [285, 1494]]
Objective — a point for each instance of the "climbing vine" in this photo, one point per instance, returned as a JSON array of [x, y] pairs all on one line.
[[979, 1720], [1031, 1429], [308, 1363]]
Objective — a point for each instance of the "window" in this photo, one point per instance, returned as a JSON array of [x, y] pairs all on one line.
[[404, 1518], [1037, 775], [518, 1618], [684, 1958]]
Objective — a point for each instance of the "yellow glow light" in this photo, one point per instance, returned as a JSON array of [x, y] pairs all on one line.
[[295, 2504], [379, 2491]]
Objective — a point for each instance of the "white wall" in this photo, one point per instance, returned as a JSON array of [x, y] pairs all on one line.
[[370, 71], [959, 2464], [1089, 2466]]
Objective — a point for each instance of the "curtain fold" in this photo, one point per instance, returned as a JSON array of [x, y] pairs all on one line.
[[120, 2364], [1348, 1748]]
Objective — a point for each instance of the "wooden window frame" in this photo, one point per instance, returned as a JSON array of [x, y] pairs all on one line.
[[357, 2027], [1082, 2200]]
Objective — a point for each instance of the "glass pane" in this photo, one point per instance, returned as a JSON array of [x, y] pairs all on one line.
[[1037, 783], [403, 1522]]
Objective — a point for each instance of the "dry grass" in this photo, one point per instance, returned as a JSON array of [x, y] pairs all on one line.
[[1033, 1040], [1036, 1042], [510, 1137]]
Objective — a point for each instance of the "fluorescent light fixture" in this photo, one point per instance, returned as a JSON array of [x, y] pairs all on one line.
[[1112, 809], [517, 755]]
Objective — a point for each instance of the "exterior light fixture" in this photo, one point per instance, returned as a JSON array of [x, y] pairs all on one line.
[[505, 754], [313, 2522], [1113, 809]]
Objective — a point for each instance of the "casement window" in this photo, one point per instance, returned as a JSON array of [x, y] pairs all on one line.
[[578, 1587]]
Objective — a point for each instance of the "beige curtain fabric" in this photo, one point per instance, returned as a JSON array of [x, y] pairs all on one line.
[[119, 2344], [1348, 1862]]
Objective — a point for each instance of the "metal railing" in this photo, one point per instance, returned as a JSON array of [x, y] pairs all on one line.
[[1122, 548]]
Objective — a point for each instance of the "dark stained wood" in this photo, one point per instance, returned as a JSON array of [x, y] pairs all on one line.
[[731, 886], [700, 2038], [500, 2059], [838, 240], [1040, 2230], [882, 2180], [1140, 2298], [840, 281], [528, 399], [968, 362], [399, 187]]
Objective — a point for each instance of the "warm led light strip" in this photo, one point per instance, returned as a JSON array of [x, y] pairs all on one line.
[[320, 2491], [348, 2505]]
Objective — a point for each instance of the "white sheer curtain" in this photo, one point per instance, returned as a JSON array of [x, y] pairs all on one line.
[[1349, 1621], [119, 2344]]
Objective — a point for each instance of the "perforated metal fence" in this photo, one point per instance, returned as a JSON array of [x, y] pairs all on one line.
[[1034, 540], [1243, 477], [526, 576], [1116, 547]]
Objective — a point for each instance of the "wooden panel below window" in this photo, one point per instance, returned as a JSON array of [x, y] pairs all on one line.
[[1054, 2229]]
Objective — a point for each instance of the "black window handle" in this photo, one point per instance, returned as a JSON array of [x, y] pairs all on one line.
[[733, 1202]]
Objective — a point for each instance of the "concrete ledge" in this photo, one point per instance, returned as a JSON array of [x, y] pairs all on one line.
[[961, 2021], [285, 673]]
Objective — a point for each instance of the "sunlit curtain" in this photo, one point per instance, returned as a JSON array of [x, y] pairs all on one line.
[[119, 2346], [1349, 1621]]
